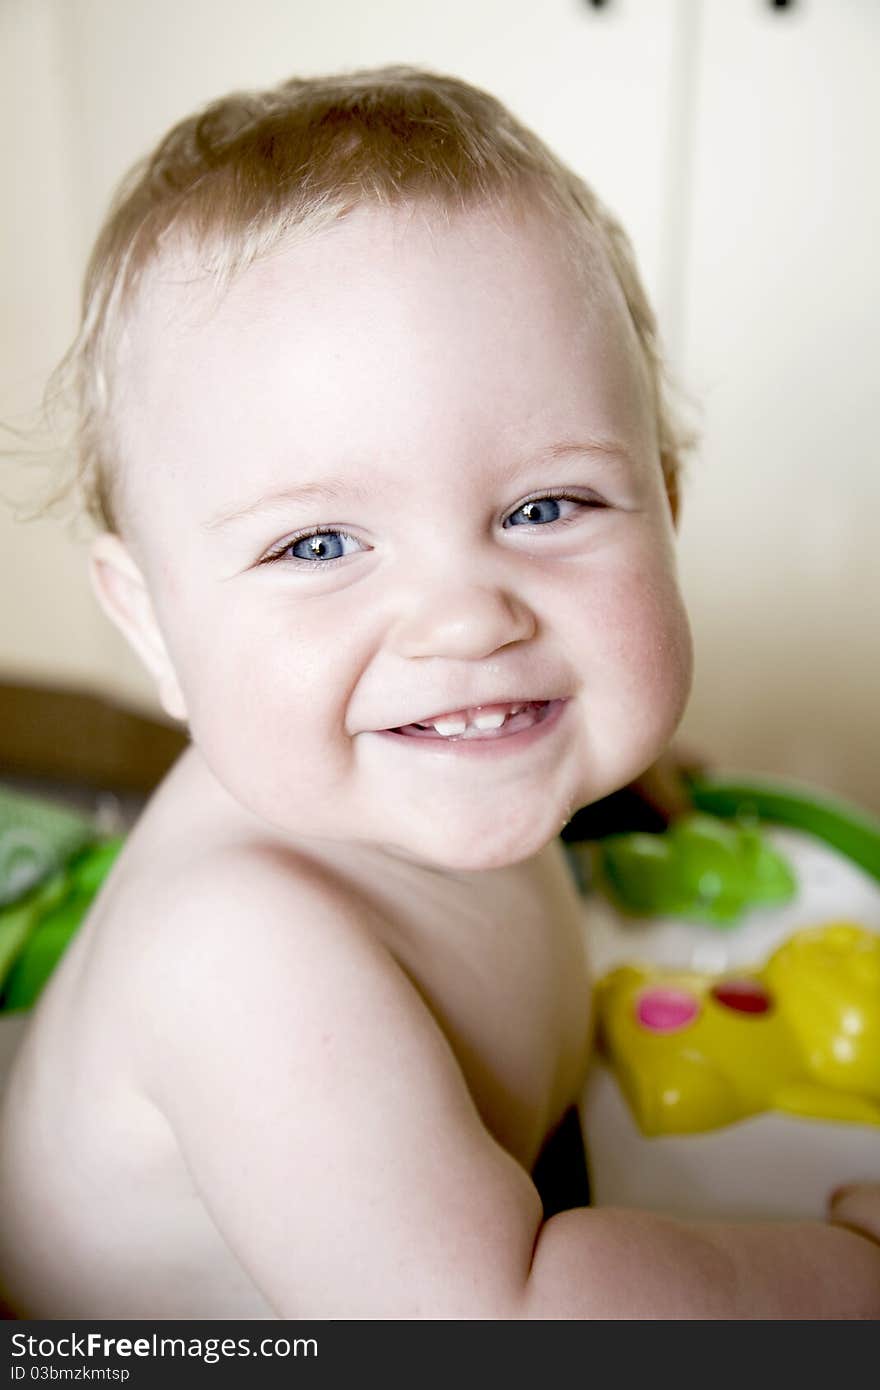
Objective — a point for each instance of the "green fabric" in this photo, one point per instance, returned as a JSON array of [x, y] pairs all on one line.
[[35, 932], [37, 838]]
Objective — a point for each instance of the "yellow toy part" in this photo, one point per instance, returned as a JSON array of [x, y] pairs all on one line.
[[828, 983], [801, 1034]]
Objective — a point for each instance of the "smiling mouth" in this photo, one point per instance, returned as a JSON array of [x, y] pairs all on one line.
[[482, 722]]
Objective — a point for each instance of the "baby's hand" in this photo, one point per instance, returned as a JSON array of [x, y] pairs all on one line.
[[857, 1206]]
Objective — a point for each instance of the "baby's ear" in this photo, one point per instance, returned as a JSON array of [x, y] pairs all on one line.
[[122, 592]]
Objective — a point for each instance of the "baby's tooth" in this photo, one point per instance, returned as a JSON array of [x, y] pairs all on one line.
[[488, 721], [450, 726], [515, 709]]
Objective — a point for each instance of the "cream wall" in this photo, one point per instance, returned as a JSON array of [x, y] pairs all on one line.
[[733, 141], [780, 342]]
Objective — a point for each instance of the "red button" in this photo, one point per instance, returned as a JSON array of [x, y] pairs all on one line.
[[743, 996]]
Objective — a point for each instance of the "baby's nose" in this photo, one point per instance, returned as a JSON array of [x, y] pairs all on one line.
[[467, 622]]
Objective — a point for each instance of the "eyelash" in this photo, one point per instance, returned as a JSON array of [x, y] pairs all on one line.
[[555, 494]]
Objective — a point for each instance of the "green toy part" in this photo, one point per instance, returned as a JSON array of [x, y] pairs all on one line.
[[847, 828], [701, 869], [712, 865]]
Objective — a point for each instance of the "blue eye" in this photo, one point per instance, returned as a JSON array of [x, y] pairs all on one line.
[[545, 510], [536, 510], [321, 547]]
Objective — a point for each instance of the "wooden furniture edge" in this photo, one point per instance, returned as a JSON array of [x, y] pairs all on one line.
[[77, 736]]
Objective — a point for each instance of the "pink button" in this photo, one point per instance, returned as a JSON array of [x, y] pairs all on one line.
[[743, 996], [662, 1010]]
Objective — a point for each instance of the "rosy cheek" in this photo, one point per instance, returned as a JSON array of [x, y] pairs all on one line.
[[639, 624]]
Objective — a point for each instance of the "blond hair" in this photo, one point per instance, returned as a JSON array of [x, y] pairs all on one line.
[[254, 169]]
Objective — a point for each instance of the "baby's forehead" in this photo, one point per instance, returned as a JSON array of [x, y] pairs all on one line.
[[383, 273], [337, 313], [183, 292]]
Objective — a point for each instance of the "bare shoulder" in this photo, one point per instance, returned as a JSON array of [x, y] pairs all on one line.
[[257, 950], [203, 897], [236, 916]]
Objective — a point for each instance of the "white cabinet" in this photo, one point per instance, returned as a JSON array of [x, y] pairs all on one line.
[[780, 342], [598, 85]]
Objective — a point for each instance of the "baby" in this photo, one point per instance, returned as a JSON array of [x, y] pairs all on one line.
[[372, 421]]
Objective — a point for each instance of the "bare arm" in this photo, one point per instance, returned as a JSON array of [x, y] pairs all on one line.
[[331, 1136], [631, 1264]]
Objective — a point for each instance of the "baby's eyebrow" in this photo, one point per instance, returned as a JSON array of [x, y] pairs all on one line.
[[333, 490], [338, 489]]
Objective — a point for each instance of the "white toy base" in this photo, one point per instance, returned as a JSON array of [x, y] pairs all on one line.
[[768, 1167]]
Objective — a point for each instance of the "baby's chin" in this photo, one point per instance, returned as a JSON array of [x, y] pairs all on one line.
[[469, 844], [473, 847]]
